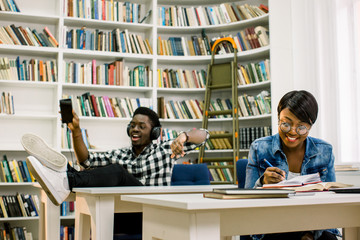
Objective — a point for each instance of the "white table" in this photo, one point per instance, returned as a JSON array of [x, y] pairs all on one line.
[[190, 216], [95, 207]]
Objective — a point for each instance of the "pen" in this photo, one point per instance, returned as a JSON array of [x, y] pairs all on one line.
[[267, 163], [270, 165]]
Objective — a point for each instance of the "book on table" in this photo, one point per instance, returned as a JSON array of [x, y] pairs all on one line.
[[241, 193], [296, 181], [321, 186], [310, 182], [345, 189]]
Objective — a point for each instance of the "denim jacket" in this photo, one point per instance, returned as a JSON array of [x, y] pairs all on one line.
[[318, 157]]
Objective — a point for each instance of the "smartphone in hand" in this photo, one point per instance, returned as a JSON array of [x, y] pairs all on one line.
[[66, 110]]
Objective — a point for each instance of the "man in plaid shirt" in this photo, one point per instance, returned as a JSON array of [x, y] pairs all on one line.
[[144, 163]]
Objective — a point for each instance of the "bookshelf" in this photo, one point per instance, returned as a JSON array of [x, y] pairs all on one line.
[[201, 62], [36, 103], [30, 224]]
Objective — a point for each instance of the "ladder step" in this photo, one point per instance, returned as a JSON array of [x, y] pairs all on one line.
[[219, 112], [221, 135], [220, 86], [218, 159]]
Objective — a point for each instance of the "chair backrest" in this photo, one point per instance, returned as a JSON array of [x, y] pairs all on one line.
[[190, 174], [241, 172]]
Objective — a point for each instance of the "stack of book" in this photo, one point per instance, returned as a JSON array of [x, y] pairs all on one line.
[[13, 35], [241, 193]]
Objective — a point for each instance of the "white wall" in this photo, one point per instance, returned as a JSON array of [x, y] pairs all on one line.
[[303, 56]]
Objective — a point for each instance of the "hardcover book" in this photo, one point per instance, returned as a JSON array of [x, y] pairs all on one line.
[[241, 193]]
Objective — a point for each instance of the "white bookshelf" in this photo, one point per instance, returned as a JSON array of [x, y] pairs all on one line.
[[36, 103], [31, 223]]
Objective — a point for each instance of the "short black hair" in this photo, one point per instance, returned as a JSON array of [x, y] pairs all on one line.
[[154, 118], [302, 104]]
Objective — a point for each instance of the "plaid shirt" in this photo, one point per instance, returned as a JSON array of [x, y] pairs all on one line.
[[152, 167]]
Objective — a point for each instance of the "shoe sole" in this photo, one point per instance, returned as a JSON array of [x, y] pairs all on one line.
[[36, 147], [46, 186]]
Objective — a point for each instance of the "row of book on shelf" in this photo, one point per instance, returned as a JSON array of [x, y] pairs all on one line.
[[105, 10], [179, 78], [10, 232], [28, 70], [168, 134], [7, 103], [179, 16], [67, 140], [253, 105], [9, 5], [67, 232], [185, 109], [19, 205], [252, 72], [218, 143], [113, 41], [114, 73], [67, 208], [103, 106], [246, 136], [15, 171], [220, 172], [247, 39], [25, 36], [193, 109], [249, 134]]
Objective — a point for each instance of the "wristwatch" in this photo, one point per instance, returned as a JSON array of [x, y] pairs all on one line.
[[186, 134]]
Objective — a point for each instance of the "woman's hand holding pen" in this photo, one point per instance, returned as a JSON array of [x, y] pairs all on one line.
[[272, 174]]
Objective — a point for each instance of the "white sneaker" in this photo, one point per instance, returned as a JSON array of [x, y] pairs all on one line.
[[54, 183], [38, 148]]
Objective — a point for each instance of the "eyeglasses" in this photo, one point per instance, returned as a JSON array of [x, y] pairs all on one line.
[[286, 127]]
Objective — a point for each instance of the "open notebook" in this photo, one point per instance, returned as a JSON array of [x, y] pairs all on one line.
[[296, 181], [310, 182]]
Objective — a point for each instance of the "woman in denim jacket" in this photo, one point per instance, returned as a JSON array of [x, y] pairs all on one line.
[[292, 152]]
